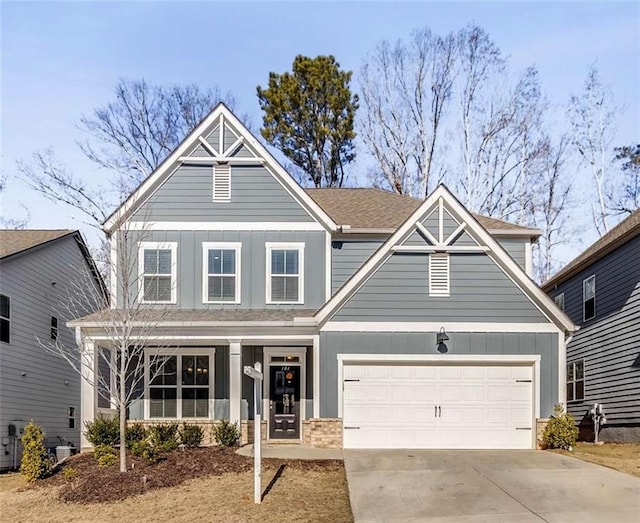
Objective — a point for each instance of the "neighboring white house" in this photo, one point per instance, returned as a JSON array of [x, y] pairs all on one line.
[[36, 269]]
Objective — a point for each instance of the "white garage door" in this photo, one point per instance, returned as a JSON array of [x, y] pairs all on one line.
[[438, 406]]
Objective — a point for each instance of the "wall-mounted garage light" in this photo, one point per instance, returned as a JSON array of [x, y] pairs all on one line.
[[441, 337]]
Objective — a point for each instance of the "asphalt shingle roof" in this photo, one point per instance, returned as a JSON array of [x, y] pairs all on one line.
[[13, 241]]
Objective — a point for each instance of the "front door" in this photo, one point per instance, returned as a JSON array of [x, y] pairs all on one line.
[[284, 402]]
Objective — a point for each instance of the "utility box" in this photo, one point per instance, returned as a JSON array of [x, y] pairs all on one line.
[[63, 452]]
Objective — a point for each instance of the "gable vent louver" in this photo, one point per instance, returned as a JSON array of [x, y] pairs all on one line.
[[439, 274], [221, 182]]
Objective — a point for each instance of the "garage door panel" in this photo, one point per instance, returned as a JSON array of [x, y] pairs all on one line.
[[394, 406]]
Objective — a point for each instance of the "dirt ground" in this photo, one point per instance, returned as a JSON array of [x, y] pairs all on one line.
[[302, 491], [624, 457]]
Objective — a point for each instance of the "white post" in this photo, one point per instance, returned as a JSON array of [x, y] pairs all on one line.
[[255, 373], [88, 390], [235, 381]]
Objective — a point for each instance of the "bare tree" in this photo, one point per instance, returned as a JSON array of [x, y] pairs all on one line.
[[406, 89], [116, 368], [592, 116], [13, 223], [625, 198]]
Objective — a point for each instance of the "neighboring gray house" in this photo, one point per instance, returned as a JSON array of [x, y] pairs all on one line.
[[381, 321], [36, 268], [600, 292]]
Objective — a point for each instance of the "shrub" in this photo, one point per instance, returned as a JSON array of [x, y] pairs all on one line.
[[561, 431], [102, 431], [226, 433], [135, 433], [35, 463], [164, 437], [105, 455], [69, 473], [191, 435], [143, 449]]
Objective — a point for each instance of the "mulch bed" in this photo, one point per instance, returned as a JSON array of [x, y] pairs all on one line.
[[91, 484]]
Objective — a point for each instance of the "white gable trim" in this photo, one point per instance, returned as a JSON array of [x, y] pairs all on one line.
[[496, 252], [166, 168]]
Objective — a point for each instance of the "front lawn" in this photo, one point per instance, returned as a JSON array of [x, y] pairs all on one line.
[[208, 484], [624, 457]]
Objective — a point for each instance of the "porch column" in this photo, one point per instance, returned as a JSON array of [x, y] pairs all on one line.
[[235, 381], [88, 385]]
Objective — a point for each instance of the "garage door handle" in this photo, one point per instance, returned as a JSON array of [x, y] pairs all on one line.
[[351, 428], [350, 380], [435, 411], [523, 381], [439, 412], [523, 428]]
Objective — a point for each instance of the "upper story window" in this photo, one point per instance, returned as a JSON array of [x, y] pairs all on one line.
[[589, 298], [285, 273], [559, 299], [158, 272], [439, 274], [5, 318], [54, 328], [221, 278], [575, 380], [221, 183]]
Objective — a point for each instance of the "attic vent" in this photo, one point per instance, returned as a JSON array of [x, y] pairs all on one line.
[[439, 274], [221, 182]]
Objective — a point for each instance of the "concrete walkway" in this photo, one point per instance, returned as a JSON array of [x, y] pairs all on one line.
[[491, 486], [286, 451]]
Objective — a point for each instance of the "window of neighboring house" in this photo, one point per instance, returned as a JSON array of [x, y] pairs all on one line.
[[285, 273], [5, 318], [559, 299], [184, 398], [589, 298], [54, 328], [575, 381], [221, 279], [72, 417], [158, 272]]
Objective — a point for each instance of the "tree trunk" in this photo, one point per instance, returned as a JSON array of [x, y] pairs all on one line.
[[123, 412]]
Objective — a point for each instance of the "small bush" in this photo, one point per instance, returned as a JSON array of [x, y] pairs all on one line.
[[143, 449], [34, 464], [164, 437], [191, 435], [105, 455], [69, 473], [102, 431], [135, 433], [226, 433], [561, 431]]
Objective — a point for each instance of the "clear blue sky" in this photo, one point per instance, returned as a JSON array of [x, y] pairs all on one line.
[[61, 60]]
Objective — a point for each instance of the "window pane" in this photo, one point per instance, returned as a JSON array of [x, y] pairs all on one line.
[[202, 403], [4, 331], [195, 403], [150, 261], [215, 261], [188, 370], [579, 390], [5, 311], [150, 288], [162, 402], [164, 261], [277, 262], [229, 261], [202, 370], [163, 370], [569, 391], [291, 289], [228, 288], [589, 308], [277, 288], [579, 370], [589, 288], [291, 262], [570, 372]]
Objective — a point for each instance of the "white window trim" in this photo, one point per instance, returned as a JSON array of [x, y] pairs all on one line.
[[186, 351], [277, 246], [574, 381], [206, 247], [584, 299], [173, 247]]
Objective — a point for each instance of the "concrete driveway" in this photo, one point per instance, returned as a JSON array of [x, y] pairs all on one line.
[[495, 486]]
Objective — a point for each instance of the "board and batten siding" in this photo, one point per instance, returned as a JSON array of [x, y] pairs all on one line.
[[253, 265], [609, 343], [401, 343], [49, 385], [256, 196], [479, 291], [347, 257]]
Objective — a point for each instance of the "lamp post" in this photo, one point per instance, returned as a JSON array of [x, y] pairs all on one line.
[[255, 373]]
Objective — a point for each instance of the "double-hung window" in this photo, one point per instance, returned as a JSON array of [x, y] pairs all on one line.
[[5, 318], [589, 298], [221, 278], [575, 380], [158, 272], [285, 273], [180, 385]]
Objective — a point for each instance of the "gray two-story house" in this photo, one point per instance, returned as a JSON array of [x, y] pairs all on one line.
[[381, 321], [600, 292], [37, 271]]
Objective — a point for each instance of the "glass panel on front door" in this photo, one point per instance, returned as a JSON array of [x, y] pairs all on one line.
[[284, 402]]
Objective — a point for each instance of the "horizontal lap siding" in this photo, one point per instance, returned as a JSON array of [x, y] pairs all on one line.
[[347, 257], [41, 394], [610, 343], [516, 248], [399, 291], [255, 196], [379, 343]]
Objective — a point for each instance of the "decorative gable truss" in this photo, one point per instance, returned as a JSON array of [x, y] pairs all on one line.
[[441, 226]]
